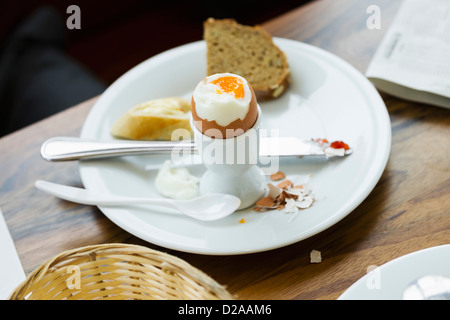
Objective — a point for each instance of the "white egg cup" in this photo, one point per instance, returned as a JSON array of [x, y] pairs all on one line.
[[231, 164]]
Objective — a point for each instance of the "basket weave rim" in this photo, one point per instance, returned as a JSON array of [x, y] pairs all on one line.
[[168, 265]]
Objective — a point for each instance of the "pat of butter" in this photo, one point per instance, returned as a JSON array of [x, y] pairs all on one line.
[[176, 183]]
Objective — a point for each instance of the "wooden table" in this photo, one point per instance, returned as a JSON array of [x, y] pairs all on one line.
[[407, 211]]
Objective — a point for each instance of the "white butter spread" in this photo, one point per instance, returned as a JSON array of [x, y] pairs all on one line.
[[176, 183], [332, 152]]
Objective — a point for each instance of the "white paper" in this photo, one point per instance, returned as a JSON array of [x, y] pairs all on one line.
[[413, 60], [11, 270]]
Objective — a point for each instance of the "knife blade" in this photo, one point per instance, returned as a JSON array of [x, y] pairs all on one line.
[[72, 148], [11, 270]]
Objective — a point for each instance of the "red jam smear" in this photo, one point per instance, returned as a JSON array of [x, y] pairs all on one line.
[[339, 145]]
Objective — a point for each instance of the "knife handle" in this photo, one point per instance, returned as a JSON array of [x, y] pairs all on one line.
[[71, 148]]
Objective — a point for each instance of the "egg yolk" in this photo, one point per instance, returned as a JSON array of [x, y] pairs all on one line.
[[230, 85]]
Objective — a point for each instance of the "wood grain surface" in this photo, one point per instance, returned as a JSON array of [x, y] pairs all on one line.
[[408, 210]]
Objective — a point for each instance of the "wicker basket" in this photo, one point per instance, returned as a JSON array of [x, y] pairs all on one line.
[[118, 271]]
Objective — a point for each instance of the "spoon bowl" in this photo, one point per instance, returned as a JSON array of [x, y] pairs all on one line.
[[207, 207]]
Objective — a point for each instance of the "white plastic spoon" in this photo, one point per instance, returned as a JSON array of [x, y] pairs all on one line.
[[206, 208]]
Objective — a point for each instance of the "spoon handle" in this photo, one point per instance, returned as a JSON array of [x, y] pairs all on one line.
[[69, 148], [83, 196]]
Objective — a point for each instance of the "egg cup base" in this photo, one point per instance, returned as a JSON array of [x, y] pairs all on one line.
[[248, 187], [243, 179]]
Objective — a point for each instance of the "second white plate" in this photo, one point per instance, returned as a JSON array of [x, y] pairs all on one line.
[[389, 281]]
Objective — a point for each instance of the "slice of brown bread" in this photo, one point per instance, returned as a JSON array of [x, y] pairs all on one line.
[[249, 52]]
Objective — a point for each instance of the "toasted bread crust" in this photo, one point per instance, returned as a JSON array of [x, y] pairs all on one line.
[[248, 51]]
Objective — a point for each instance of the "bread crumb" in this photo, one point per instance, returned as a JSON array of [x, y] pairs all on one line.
[[315, 256], [279, 90]]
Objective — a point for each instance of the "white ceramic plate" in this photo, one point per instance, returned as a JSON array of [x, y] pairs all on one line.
[[328, 98], [388, 281]]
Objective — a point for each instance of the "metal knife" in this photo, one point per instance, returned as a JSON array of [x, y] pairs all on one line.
[[11, 270], [71, 148]]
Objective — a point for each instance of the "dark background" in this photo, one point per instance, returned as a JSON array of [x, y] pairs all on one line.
[[117, 35]]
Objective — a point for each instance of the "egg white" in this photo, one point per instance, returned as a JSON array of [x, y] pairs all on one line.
[[223, 108]]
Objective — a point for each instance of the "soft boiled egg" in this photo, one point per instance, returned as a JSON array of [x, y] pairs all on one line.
[[224, 105]]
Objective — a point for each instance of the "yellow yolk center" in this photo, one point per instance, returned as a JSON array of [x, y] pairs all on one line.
[[230, 85]]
